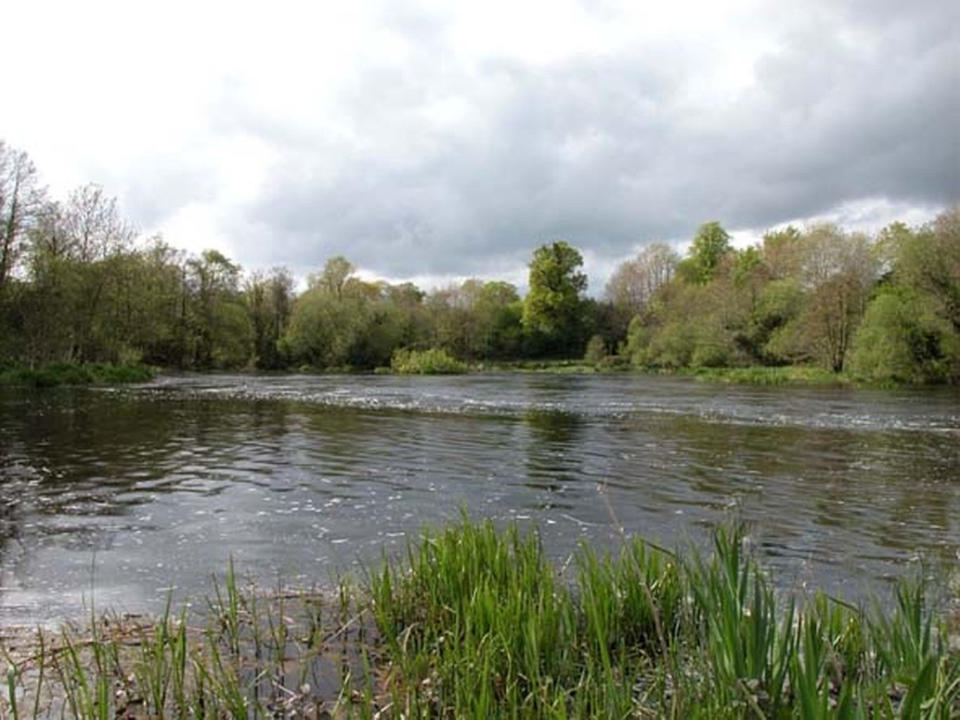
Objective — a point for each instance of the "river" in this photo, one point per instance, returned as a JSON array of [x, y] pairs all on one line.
[[119, 496]]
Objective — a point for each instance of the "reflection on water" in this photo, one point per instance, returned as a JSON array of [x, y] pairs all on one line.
[[126, 494]]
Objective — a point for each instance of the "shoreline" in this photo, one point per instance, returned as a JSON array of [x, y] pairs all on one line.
[[104, 374]]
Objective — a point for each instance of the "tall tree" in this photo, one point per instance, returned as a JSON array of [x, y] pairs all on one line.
[[21, 198], [336, 273], [221, 323], [930, 260], [709, 247], [269, 300], [635, 281], [96, 237], [553, 310], [838, 273]]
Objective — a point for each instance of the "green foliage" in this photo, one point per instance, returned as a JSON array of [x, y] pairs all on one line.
[[931, 261], [434, 361], [781, 252], [596, 351], [269, 303], [553, 310], [477, 625], [77, 287], [801, 297], [774, 307], [710, 246], [790, 375], [476, 320], [903, 339], [477, 622], [691, 326]]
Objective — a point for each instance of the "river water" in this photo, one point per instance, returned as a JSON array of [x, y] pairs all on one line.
[[118, 496]]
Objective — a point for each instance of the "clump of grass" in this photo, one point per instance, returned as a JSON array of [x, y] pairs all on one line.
[[477, 622], [434, 361], [74, 374], [774, 376]]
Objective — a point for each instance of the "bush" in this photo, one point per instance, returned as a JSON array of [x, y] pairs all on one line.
[[596, 351], [901, 339], [434, 361]]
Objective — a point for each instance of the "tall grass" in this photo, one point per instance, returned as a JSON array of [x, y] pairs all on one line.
[[480, 624], [477, 622], [788, 375]]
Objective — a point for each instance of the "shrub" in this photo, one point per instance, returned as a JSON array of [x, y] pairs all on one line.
[[596, 351], [435, 361]]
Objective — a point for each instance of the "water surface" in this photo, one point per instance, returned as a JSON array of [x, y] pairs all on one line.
[[122, 495]]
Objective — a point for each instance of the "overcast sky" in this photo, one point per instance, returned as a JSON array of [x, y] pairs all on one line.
[[438, 140]]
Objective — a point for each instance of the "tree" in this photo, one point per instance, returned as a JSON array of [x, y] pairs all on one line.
[[21, 198], [93, 225], [930, 260], [635, 281], [336, 273], [221, 323], [902, 338], [553, 308], [782, 252], [473, 320], [96, 238], [269, 300], [709, 247], [838, 272]]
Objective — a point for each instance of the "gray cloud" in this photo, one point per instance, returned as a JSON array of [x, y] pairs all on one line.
[[857, 101]]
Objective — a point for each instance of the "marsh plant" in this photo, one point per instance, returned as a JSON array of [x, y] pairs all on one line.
[[477, 622]]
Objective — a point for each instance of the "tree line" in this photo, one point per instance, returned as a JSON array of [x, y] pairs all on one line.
[[885, 307], [78, 285]]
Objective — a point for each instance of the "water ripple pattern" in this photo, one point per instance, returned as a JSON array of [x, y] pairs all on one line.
[[119, 496]]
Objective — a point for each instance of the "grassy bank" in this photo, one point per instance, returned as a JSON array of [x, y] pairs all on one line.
[[477, 623], [73, 374]]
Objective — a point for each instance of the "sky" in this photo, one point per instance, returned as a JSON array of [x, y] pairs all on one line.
[[438, 140]]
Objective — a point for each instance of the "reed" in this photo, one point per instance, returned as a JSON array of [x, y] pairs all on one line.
[[475, 621]]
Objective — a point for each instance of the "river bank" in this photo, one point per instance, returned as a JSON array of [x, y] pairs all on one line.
[[477, 622], [791, 375], [75, 374]]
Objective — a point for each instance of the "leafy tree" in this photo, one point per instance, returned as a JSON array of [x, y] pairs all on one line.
[[710, 245], [778, 305], [553, 310], [930, 261], [221, 323], [269, 300], [687, 325], [337, 271], [902, 338], [635, 281], [782, 252], [473, 320], [839, 271], [343, 321]]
